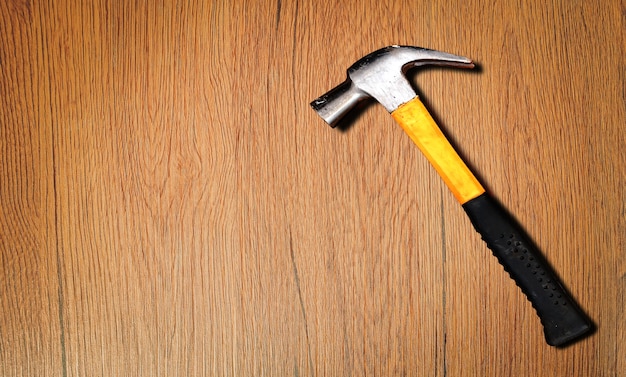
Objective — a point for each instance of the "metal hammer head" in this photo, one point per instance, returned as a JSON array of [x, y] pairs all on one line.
[[380, 75]]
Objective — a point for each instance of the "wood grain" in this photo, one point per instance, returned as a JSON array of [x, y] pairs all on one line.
[[170, 205]]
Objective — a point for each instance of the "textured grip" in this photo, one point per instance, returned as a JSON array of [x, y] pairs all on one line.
[[562, 319]]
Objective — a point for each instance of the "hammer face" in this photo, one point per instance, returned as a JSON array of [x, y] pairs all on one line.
[[381, 75], [333, 105]]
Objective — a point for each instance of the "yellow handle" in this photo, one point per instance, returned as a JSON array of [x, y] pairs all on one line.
[[420, 126]]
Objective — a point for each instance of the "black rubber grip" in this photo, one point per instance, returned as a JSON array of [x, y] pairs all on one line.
[[562, 319]]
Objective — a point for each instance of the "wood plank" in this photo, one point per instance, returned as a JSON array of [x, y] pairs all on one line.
[[31, 322], [172, 206], [542, 110]]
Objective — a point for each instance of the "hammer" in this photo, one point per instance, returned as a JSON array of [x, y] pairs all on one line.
[[380, 75]]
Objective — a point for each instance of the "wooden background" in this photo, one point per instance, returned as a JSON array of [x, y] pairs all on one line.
[[171, 206]]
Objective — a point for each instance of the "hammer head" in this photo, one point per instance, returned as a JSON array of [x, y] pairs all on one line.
[[380, 75]]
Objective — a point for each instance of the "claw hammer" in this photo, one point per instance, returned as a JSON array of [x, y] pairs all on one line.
[[380, 75]]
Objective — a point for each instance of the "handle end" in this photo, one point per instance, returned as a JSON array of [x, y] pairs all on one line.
[[562, 319], [566, 323]]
